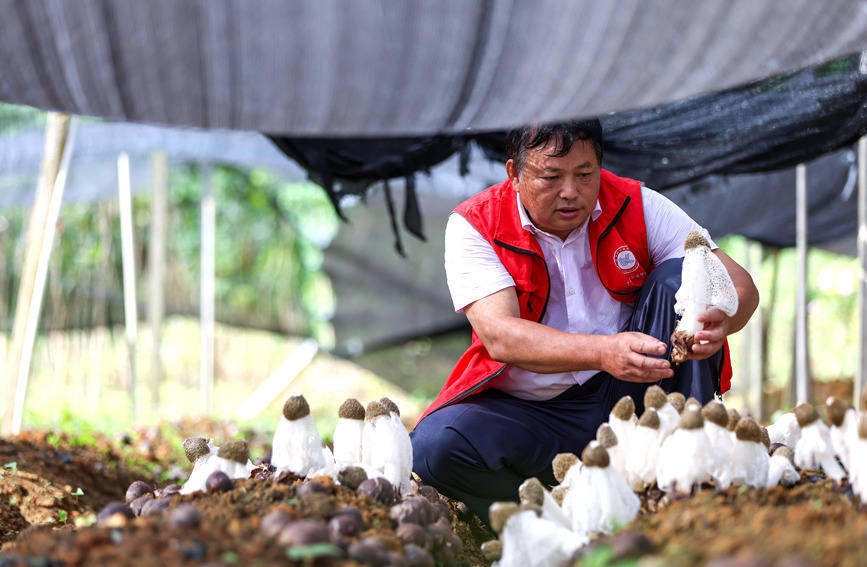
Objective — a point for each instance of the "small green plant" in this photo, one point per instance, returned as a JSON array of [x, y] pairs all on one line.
[[62, 516], [603, 556], [307, 554], [13, 466], [229, 557]]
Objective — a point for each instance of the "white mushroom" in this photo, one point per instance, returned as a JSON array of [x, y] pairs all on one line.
[[844, 428], [347, 434], [785, 430], [297, 446], [400, 436], [781, 468], [858, 455], [617, 452], [623, 420], [686, 456], [199, 452], [705, 284], [531, 540], [601, 499], [716, 427], [814, 448], [233, 458], [644, 452], [669, 417], [381, 448], [532, 492], [750, 459]]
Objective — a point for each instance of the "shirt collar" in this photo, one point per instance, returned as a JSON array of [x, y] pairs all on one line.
[[528, 225]]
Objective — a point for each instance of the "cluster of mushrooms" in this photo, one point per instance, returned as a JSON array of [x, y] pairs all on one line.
[[371, 456], [676, 447]]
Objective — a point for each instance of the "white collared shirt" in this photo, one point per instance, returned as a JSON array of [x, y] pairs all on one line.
[[578, 303]]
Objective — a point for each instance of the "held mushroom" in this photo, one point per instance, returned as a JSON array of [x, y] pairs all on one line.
[[705, 284]]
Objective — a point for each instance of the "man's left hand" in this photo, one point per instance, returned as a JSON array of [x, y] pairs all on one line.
[[711, 338]]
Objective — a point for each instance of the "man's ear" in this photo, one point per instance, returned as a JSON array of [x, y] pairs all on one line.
[[512, 171]]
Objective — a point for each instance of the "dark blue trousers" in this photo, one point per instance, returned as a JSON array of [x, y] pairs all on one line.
[[481, 449]]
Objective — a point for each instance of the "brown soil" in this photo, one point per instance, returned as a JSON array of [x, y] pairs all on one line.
[[50, 496]]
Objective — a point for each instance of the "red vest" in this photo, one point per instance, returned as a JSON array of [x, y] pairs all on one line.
[[618, 245]]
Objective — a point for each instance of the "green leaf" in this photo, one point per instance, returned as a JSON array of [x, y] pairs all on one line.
[[13, 465], [312, 551]]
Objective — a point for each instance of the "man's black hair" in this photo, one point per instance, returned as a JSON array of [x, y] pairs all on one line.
[[564, 134]]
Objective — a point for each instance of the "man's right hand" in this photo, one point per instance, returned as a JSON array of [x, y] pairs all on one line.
[[624, 356]]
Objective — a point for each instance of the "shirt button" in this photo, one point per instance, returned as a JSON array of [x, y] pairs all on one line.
[[571, 291]]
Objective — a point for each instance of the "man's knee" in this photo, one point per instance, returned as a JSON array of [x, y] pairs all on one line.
[[440, 451]]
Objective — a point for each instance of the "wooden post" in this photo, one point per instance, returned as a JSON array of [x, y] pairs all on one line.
[[206, 300], [861, 371], [130, 307], [803, 385], [157, 259], [56, 132]]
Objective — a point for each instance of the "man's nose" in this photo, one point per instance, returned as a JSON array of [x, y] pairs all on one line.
[[569, 189]]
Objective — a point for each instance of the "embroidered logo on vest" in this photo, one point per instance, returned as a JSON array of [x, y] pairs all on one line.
[[625, 259]]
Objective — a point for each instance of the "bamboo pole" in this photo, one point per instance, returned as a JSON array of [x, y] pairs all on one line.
[[803, 385], [127, 253], [861, 371], [157, 257], [40, 238], [206, 301]]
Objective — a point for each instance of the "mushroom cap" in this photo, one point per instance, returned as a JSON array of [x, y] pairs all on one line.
[[296, 407], [389, 405], [837, 409], [678, 400], [691, 419], [734, 418], [595, 455], [654, 397], [375, 409], [351, 409], [606, 436], [787, 452], [748, 429], [766, 438], [715, 412], [500, 512], [862, 426], [531, 490], [806, 414], [692, 402], [237, 451], [649, 419], [562, 463], [558, 493], [195, 448], [864, 400], [624, 409], [694, 239]]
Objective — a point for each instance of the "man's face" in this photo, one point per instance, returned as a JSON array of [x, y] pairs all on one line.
[[559, 193]]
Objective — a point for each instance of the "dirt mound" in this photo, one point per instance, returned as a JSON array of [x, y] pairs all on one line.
[[52, 487], [51, 497]]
